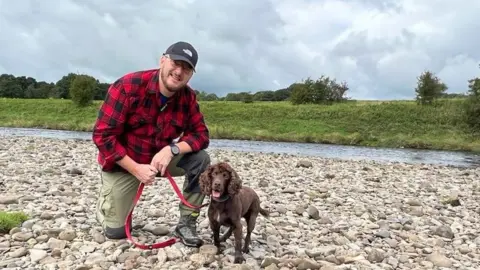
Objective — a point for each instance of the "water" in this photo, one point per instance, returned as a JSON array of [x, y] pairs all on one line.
[[453, 158]]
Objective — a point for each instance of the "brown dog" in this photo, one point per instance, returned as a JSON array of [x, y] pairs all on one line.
[[229, 202]]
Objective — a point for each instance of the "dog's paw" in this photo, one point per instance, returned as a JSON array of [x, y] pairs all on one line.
[[239, 259], [220, 249], [246, 250]]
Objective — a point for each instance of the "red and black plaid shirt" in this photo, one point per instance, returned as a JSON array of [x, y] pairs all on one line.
[[132, 121]]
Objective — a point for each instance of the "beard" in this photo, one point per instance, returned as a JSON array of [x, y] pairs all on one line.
[[166, 77]]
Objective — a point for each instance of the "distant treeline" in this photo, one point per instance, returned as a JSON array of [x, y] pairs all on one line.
[[307, 91], [27, 87]]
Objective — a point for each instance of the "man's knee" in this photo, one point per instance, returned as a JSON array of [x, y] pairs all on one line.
[[202, 158], [195, 162]]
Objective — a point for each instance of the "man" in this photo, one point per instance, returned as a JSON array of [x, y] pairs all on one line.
[[142, 115]]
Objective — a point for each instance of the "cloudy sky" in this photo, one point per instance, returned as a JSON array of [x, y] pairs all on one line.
[[378, 47]]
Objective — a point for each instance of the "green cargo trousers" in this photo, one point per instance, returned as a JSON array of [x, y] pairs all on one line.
[[118, 190]]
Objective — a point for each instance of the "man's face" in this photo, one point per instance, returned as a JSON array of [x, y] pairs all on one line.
[[175, 74]]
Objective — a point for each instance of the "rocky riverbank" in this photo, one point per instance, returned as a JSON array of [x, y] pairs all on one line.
[[326, 214]]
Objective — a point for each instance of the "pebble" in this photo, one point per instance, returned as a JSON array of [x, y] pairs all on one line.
[[325, 214]]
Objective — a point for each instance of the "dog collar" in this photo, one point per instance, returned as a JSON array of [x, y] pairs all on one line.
[[222, 198]]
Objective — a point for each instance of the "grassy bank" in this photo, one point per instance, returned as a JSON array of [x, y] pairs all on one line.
[[388, 124]]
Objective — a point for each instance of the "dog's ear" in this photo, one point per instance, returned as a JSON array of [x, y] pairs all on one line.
[[235, 182], [205, 181]]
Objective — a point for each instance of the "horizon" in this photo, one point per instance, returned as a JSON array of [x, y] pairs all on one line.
[[378, 47], [253, 92]]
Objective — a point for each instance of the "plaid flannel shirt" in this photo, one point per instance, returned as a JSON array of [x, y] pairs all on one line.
[[131, 121]]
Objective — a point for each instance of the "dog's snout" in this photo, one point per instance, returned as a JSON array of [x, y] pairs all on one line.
[[217, 183]]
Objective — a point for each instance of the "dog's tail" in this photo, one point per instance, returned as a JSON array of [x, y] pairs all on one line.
[[264, 212]]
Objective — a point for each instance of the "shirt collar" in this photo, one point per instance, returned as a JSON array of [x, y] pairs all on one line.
[[152, 86]]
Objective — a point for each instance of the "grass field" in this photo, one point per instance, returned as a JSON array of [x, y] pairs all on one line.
[[385, 124]]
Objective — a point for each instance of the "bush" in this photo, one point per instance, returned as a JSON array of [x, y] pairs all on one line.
[[429, 88], [472, 105], [474, 88], [301, 93], [82, 90], [322, 91], [11, 220], [247, 98]]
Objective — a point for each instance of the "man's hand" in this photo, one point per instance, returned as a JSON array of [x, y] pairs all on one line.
[[145, 173], [161, 160]]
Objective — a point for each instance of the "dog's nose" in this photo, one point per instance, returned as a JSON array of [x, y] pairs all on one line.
[[216, 184]]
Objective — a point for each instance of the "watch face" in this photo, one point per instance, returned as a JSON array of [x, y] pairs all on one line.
[[175, 150]]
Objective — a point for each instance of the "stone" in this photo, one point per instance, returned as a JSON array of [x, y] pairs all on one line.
[[439, 260], [325, 214]]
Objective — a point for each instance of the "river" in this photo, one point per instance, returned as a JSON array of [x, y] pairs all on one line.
[[453, 158]]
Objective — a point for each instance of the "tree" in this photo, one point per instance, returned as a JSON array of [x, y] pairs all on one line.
[[201, 94], [247, 97], [264, 96], [101, 91], [9, 87], [322, 91], [82, 90], [429, 88], [472, 105], [301, 92], [62, 87], [45, 90], [211, 97], [474, 88]]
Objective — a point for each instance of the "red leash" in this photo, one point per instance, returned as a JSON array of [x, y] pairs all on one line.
[[170, 241]]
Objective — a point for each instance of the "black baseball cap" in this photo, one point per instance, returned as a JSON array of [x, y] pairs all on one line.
[[183, 51]]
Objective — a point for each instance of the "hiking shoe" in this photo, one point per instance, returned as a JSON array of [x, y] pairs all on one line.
[[186, 230], [116, 233]]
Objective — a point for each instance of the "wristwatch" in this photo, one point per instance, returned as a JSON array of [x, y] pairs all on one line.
[[174, 148]]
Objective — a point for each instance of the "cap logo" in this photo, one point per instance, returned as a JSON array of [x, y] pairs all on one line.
[[187, 51]]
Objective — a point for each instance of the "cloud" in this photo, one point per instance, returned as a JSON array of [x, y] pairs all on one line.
[[378, 47]]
